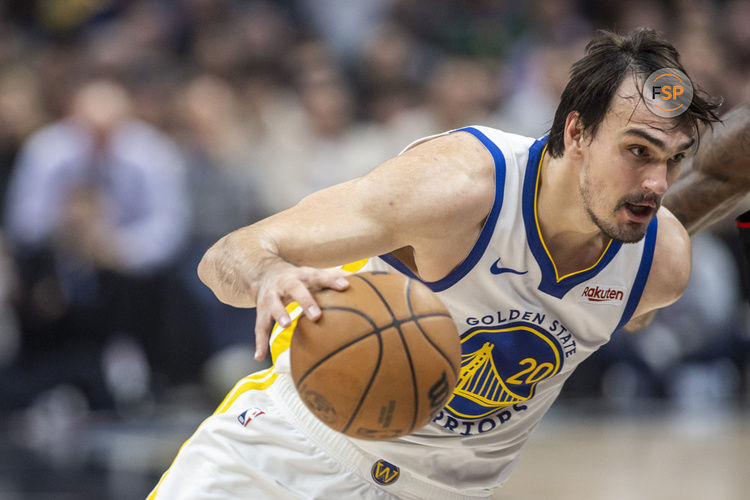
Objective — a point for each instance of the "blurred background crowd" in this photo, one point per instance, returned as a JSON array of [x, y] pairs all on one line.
[[133, 134]]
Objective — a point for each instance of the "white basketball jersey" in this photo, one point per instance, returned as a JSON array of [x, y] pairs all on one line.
[[523, 328]]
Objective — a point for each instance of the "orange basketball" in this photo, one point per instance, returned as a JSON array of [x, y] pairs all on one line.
[[382, 359]]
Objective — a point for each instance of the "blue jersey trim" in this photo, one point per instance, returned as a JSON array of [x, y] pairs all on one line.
[[642, 275], [484, 237], [549, 283]]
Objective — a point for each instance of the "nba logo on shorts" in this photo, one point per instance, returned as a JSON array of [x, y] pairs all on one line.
[[247, 416], [384, 472]]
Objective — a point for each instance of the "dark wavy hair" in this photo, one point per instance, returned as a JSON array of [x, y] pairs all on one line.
[[595, 78]]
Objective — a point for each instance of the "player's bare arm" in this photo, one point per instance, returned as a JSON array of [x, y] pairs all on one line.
[[670, 270], [717, 177], [429, 202]]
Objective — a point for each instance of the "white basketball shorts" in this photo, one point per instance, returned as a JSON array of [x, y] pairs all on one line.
[[263, 443]]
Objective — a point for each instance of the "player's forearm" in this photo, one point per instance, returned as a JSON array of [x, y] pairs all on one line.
[[232, 267], [719, 176]]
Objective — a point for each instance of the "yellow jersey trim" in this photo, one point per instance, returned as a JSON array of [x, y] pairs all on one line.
[[539, 229], [281, 338], [353, 267]]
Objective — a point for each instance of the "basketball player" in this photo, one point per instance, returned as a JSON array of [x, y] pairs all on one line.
[[541, 249]]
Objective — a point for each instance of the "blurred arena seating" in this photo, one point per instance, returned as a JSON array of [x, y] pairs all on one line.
[[133, 134]]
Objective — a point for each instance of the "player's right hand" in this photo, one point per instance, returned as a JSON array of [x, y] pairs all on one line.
[[282, 284]]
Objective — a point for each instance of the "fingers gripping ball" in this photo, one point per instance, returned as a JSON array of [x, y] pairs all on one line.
[[382, 359]]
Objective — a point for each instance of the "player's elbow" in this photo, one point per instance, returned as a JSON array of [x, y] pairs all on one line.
[[220, 270], [205, 268], [208, 272]]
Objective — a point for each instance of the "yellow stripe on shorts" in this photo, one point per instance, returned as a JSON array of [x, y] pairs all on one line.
[[281, 339], [257, 381]]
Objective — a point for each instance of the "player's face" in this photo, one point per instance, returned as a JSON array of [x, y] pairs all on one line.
[[629, 164]]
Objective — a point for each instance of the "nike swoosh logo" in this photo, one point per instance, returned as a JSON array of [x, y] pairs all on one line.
[[496, 269]]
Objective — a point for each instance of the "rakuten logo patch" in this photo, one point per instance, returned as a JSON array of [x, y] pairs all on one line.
[[598, 294]]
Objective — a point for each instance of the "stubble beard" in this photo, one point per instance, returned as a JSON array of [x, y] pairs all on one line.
[[629, 233]]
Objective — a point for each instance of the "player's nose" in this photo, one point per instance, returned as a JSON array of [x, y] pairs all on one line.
[[656, 179]]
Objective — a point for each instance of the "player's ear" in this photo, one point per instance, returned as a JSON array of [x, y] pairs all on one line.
[[573, 135]]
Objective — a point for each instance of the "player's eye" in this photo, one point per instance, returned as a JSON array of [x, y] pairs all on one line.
[[678, 157], [638, 151]]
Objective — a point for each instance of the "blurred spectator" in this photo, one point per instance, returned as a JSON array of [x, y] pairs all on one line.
[[223, 171], [21, 112], [96, 209], [321, 144], [388, 73], [557, 22], [643, 13], [537, 77], [460, 92], [344, 24], [222, 178], [735, 38], [99, 185], [482, 28], [10, 333]]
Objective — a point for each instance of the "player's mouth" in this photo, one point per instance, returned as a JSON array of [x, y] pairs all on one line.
[[640, 212]]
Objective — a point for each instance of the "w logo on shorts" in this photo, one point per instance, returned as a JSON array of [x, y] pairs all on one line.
[[384, 472]]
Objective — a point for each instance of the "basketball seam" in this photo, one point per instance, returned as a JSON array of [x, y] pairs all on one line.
[[369, 383], [411, 363], [421, 330], [375, 331], [377, 292], [398, 324]]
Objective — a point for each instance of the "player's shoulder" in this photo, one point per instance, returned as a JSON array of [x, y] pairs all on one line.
[[503, 136], [511, 147], [465, 162], [449, 179], [670, 269], [470, 136], [458, 153]]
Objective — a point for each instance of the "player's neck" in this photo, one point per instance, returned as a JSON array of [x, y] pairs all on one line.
[[568, 231]]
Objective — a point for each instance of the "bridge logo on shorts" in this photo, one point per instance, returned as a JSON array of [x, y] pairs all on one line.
[[501, 366], [384, 472]]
